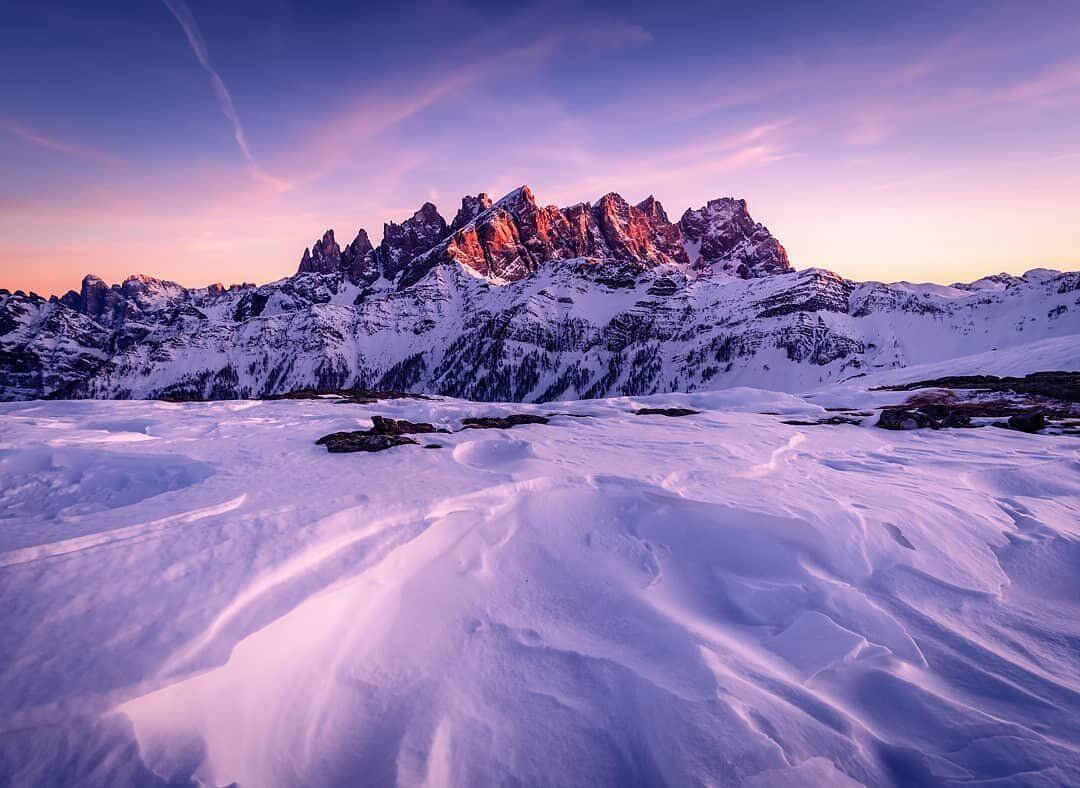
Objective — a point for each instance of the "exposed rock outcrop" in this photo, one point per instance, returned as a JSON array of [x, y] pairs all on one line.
[[362, 440], [673, 412], [1028, 422], [899, 419], [502, 422]]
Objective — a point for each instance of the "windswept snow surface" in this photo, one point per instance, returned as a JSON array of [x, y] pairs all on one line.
[[197, 593]]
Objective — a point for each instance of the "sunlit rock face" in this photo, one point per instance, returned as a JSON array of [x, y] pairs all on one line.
[[517, 301], [513, 238]]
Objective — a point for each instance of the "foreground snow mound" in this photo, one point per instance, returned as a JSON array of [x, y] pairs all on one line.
[[608, 598]]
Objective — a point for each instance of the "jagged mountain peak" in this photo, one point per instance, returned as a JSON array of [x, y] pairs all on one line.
[[427, 213], [652, 208], [521, 194], [514, 237], [324, 256], [612, 197], [471, 207], [723, 236]]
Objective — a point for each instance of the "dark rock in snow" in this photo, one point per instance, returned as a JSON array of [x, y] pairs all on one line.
[[1027, 422], [502, 422], [1064, 386], [385, 426], [955, 419], [935, 411], [899, 419], [830, 420], [674, 412], [384, 434], [361, 440]]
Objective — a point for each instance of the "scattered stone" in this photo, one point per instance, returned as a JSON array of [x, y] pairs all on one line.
[[936, 411], [361, 440], [936, 416], [386, 426], [899, 419], [502, 422], [1027, 422], [956, 419], [674, 412], [384, 434]]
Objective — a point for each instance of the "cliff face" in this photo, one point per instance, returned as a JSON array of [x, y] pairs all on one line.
[[513, 301]]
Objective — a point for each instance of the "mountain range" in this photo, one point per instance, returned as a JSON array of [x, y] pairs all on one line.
[[515, 301]]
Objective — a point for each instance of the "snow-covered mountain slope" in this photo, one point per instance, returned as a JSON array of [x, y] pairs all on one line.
[[511, 301], [197, 590]]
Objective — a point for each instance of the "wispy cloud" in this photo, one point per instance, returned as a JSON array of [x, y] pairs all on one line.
[[713, 156], [42, 140], [1056, 85], [183, 15], [517, 46]]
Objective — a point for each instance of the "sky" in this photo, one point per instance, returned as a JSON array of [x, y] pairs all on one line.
[[212, 140]]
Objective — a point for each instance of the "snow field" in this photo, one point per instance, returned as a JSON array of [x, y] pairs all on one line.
[[198, 591]]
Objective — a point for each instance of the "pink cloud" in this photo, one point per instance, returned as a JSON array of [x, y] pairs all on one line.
[[1056, 85], [46, 142]]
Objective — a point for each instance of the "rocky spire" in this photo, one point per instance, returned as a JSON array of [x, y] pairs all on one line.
[[324, 256], [358, 260]]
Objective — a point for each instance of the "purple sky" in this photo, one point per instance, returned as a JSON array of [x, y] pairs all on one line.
[[207, 141]]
